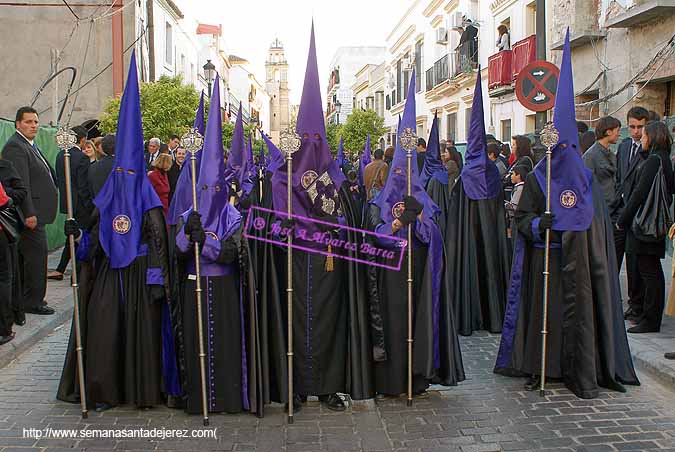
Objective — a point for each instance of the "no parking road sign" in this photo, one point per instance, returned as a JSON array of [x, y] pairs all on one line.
[[536, 85]]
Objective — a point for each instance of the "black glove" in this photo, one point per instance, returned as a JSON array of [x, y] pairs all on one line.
[[411, 203], [545, 222], [407, 217], [70, 227], [194, 229]]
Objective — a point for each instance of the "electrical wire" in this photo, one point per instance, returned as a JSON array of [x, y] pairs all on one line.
[[110, 14], [641, 88], [84, 63], [665, 50], [99, 73], [71, 9]]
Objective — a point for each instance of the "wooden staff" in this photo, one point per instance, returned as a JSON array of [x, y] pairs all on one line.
[[549, 138], [193, 141], [66, 139]]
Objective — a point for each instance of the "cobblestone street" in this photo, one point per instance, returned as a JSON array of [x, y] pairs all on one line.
[[485, 413]]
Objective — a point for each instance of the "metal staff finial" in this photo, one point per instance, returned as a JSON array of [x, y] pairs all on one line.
[[289, 143], [549, 137], [408, 140], [66, 139], [193, 141]]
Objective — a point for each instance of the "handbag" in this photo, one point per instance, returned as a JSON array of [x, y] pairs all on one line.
[[11, 222], [653, 220]]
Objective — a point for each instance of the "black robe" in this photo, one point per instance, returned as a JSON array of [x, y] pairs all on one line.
[[332, 350], [121, 314], [477, 250], [389, 313], [222, 318], [440, 195], [586, 343]]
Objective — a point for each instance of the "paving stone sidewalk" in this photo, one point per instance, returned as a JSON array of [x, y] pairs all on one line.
[[485, 413]]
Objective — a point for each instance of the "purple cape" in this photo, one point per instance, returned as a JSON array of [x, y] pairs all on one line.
[[128, 193], [571, 180]]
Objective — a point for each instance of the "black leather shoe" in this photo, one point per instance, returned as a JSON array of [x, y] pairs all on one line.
[[19, 318], [533, 383], [40, 310], [5, 339], [669, 355], [103, 407], [632, 315], [643, 327], [332, 402]]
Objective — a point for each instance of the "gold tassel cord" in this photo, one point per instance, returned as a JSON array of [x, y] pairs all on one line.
[[329, 260]]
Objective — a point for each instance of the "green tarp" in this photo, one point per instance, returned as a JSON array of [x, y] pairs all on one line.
[[47, 144]]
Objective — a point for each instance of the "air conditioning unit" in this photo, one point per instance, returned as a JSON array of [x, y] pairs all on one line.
[[441, 35]]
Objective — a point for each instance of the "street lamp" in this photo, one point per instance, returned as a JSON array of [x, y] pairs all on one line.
[[338, 106], [209, 74]]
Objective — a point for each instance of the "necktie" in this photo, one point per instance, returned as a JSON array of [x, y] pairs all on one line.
[[42, 159], [634, 150]]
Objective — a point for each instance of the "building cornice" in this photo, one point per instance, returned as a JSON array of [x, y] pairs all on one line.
[[436, 21], [421, 119], [400, 22], [451, 107], [402, 39], [451, 5], [172, 8], [497, 6], [432, 7], [468, 99]]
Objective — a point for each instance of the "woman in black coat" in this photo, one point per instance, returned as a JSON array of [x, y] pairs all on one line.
[[656, 140], [10, 310]]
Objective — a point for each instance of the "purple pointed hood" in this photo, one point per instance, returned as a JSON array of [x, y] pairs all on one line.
[[433, 167], [212, 185], [364, 160], [341, 154], [275, 158], [128, 193], [390, 199], [480, 176], [182, 197], [316, 176], [571, 181]]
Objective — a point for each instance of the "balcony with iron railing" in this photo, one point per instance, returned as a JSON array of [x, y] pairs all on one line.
[[504, 66]]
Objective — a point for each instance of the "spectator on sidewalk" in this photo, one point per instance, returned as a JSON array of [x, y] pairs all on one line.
[[159, 179], [99, 172], [493, 154], [17, 192], [39, 208], [375, 175], [599, 159], [657, 141], [90, 151]]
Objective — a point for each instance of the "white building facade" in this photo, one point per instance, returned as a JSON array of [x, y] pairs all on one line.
[[346, 63]]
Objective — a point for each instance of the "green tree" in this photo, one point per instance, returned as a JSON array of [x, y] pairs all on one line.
[[333, 137], [167, 107], [228, 132], [359, 125]]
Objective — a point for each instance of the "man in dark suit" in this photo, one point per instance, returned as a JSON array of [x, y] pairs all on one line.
[[39, 208], [80, 193], [99, 171], [628, 157], [152, 154]]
